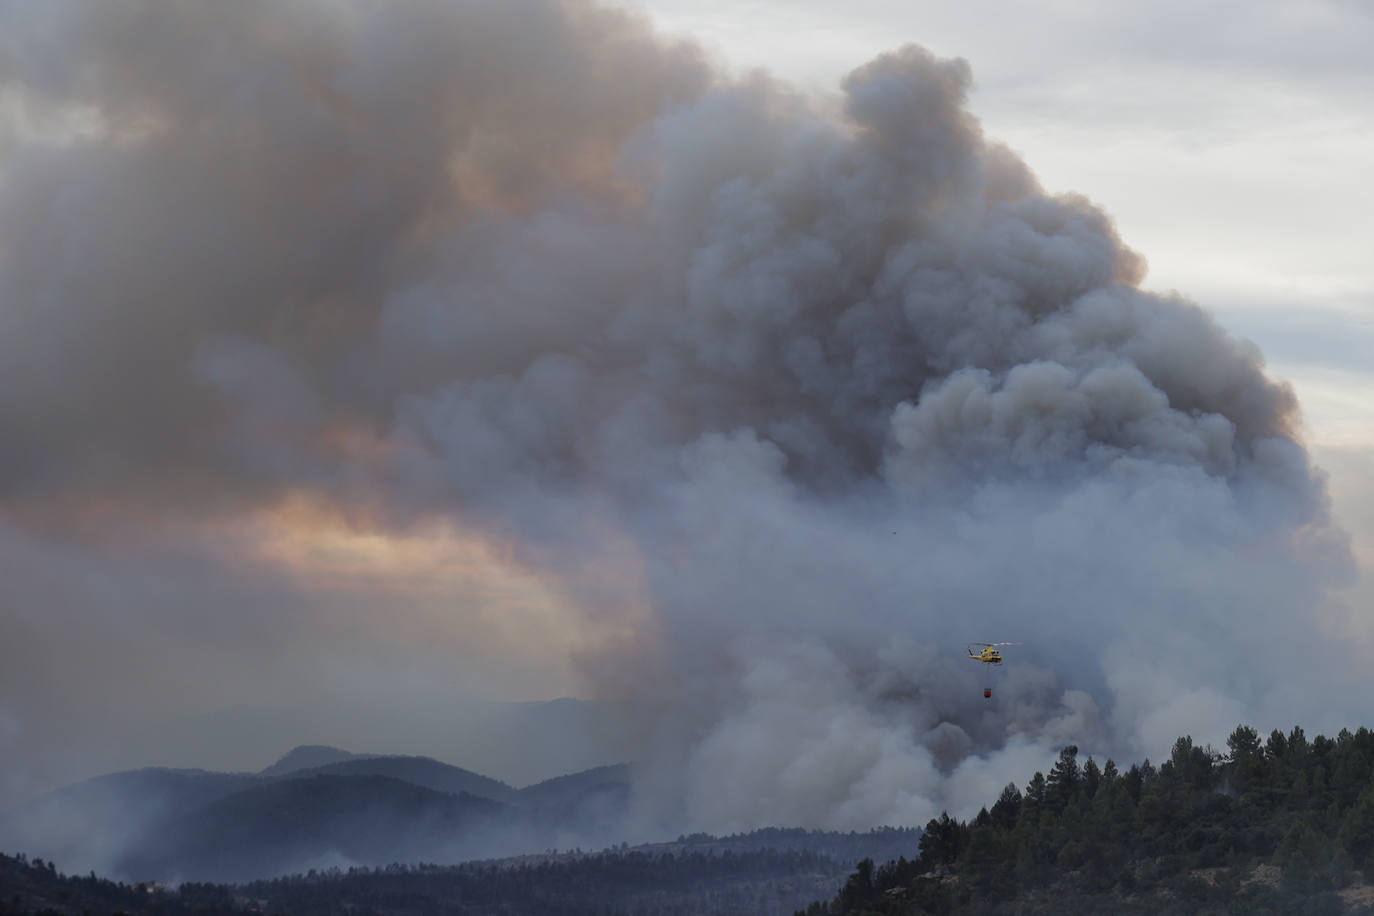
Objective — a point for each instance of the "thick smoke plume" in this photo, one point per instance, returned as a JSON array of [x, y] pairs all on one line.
[[796, 396]]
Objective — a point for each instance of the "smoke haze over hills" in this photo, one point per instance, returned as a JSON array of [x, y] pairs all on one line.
[[510, 350]]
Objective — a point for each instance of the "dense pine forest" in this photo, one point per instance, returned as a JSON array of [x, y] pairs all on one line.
[[1277, 825], [763, 873]]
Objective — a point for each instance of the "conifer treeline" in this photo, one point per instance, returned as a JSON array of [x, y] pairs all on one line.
[[767, 872], [1188, 836]]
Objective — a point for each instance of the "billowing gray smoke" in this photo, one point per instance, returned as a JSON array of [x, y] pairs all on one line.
[[853, 387]]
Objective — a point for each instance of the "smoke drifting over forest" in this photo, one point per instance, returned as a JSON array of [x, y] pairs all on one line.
[[791, 397]]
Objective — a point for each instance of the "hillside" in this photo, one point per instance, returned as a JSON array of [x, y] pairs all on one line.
[[596, 799], [421, 771], [1280, 826], [764, 873], [160, 824], [319, 821], [554, 791], [86, 825], [36, 886]]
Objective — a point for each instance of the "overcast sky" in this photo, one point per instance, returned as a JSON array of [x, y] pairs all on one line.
[[356, 367]]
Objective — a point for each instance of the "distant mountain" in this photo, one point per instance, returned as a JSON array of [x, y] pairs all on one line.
[[560, 788], [160, 824], [308, 757], [86, 825], [320, 821], [596, 799], [152, 789], [518, 742], [420, 771]]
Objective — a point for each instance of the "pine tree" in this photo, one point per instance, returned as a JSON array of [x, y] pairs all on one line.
[[1109, 772], [942, 841], [1092, 779], [1244, 743], [1276, 748], [1063, 779], [1356, 834], [1008, 807]]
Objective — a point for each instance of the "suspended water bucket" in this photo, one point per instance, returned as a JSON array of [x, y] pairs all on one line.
[[987, 692]]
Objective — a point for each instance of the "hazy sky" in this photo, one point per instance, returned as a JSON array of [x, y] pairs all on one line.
[[356, 367]]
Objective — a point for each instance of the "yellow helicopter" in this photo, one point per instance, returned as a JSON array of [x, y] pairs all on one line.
[[989, 653]]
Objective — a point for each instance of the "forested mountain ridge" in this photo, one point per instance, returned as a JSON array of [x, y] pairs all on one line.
[[320, 820], [764, 873], [421, 771], [1277, 825], [557, 790]]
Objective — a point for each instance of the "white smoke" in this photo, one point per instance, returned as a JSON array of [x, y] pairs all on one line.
[[854, 389]]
